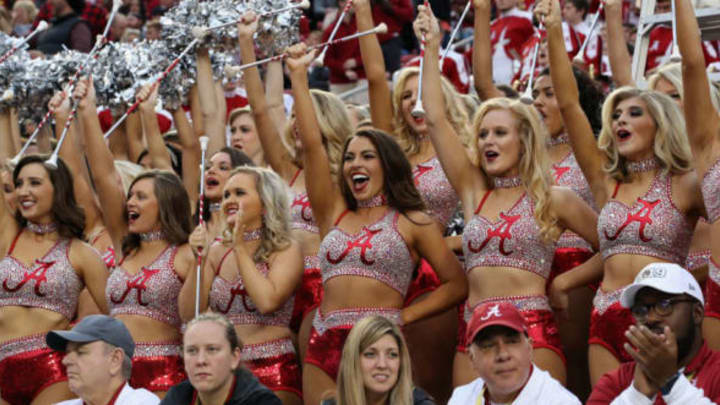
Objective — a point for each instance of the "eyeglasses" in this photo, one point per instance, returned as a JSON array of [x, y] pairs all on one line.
[[662, 307]]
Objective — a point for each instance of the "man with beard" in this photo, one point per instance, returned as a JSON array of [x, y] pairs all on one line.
[[673, 364]]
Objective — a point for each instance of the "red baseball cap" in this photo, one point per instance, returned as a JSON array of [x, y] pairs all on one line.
[[492, 314]]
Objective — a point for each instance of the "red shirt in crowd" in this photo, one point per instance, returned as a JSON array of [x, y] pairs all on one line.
[[660, 48], [703, 371], [96, 17], [340, 53], [508, 34]]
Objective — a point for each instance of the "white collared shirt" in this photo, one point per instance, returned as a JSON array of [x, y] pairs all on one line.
[[541, 388], [128, 396]]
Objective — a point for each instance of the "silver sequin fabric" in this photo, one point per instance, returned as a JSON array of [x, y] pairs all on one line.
[[377, 251], [435, 190], [151, 292], [512, 241], [521, 302], [301, 215], [697, 259], [267, 350], [24, 344], [713, 272], [604, 300], [652, 226], [49, 283], [157, 349], [567, 173], [231, 299], [344, 317], [711, 192]]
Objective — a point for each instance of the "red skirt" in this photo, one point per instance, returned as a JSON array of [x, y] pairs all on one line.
[[275, 365], [310, 293], [608, 322], [157, 366], [28, 366]]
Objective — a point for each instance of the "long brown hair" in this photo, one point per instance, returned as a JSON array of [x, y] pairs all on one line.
[[399, 187], [66, 213], [173, 209]]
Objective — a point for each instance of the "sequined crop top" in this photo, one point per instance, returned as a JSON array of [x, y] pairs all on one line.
[[301, 214], [49, 283], [567, 173], [512, 241], [152, 292], [652, 226], [710, 187], [231, 299], [435, 189], [378, 251]]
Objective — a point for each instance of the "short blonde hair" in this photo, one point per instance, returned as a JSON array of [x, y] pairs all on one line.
[[276, 217], [454, 111], [671, 146], [350, 387], [534, 166]]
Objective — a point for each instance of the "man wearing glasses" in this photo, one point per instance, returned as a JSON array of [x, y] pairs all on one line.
[[673, 365]]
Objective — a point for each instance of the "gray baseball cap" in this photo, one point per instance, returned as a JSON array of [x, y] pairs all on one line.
[[93, 328]]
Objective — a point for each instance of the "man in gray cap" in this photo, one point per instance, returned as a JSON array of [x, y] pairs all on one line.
[[98, 359], [672, 363]]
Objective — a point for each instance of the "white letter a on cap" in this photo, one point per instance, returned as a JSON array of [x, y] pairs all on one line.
[[492, 311]]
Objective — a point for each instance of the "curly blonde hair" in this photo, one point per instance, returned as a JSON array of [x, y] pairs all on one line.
[[334, 122], [671, 146], [534, 165], [454, 111], [276, 217]]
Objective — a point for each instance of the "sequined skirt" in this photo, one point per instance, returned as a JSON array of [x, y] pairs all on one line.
[[608, 322], [425, 281], [275, 364], [330, 330], [539, 319], [157, 366], [309, 294], [712, 290], [567, 258], [28, 366]]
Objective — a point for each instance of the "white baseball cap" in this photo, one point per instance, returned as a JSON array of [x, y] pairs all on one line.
[[666, 277]]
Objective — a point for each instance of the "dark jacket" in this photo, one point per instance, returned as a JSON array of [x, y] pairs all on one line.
[[420, 397], [248, 391]]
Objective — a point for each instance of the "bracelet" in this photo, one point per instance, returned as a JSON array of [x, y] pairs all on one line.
[[665, 389]]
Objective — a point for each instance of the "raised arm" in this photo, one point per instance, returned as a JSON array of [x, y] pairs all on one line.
[[620, 60], [213, 118], [134, 135], [102, 169], [190, 154], [72, 153], [275, 90], [381, 109], [7, 146], [590, 158], [701, 118], [15, 129], [482, 52], [275, 152], [465, 178], [159, 155], [325, 198]]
